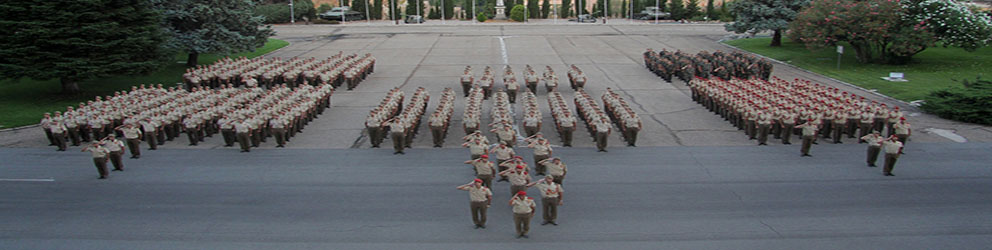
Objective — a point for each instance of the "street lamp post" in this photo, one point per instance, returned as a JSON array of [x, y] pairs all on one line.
[[292, 16], [657, 9], [473, 12], [442, 11], [368, 18]]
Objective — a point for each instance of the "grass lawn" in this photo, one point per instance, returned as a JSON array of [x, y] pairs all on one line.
[[932, 69], [23, 101]]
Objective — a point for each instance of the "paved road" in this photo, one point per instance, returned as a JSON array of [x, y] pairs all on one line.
[[631, 198]]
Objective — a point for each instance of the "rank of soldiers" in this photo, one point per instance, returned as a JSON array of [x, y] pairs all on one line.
[[598, 123], [338, 70], [441, 118], [562, 115], [667, 64], [576, 79], [503, 122], [376, 123], [782, 108], [621, 113], [532, 118], [471, 117], [403, 128]]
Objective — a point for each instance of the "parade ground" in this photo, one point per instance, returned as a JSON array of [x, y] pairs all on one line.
[[693, 182]]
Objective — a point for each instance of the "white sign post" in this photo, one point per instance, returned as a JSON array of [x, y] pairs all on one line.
[[840, 51]]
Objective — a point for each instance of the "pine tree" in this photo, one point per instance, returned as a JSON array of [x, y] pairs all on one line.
[[411, 8], [677, 10], [638, 6], [394, 10], [597, 9], [377, 10], [533, 9], [691, 9], [762, 15], [545, 9], [449, 9], [623, 9], [219, 26], [566, 9], [359, 5], [509, 6], [711, 11], [79, 40]]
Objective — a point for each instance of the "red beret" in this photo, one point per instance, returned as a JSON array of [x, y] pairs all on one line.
[[522, 193], [485, 156], [478, 180], [902, 118], [520, 166]]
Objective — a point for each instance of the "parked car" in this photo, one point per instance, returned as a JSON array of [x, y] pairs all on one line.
[[652, 13], [584, 18], [414, 19], [342, 13]]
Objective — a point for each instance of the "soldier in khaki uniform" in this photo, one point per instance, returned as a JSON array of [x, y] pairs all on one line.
[[243, 131], [542, 150], [523, 210], [480, 197], [551, 198], [484, 170], [556, 169], [58, 132], [477, 148], [519, 178], [133, 137], [397, 131], [809, 134], [902, 130], [892, 148], [99, 158], [874, 146], [116, 148]]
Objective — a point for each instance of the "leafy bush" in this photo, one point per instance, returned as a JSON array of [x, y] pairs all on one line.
[[971, 102], [324, 8], [517, 14], [481, 17]]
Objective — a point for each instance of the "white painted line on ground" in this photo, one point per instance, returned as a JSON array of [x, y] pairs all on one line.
[[29, 180], [946, 134]]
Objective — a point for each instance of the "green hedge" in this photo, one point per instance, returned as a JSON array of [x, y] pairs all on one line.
[[517, 14], [279, 12], [971, 102]]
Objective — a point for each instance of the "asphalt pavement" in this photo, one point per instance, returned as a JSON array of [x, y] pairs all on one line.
[[728, 197]]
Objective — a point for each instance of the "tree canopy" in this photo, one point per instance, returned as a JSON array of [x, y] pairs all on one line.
[[763, 15], [79, 40], [219, 26]]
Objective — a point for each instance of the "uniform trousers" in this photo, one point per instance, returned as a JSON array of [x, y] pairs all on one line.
[[631, 135], [101, 165], [550, 206], [566, 136], [538, 167], [522, 222], [244, 141], [873, 154], [115, 158], [399, 139], [479, 212], [807, 143], [280, 135], [487, 179], [890, 162], [601, 138], [134, 144], [787, 132]]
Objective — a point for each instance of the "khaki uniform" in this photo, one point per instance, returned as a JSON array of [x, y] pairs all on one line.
[[479, 203], [874, 146], [550, 197], [892, 149], [522, 212]]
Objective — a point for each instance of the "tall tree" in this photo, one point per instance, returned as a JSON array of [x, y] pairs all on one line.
[[394, 10], [762, 15], [411, 8], [79, 40], [566, 9], [711, 11], [638, 6], [219, 26], [623, 9], [360, 6], [691, 9], [449, 9], [377, 10], [467, 7], [545, 8], [533, 9], [677, 10]]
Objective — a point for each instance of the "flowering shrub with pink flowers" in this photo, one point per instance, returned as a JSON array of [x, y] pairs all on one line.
[[890, 31]]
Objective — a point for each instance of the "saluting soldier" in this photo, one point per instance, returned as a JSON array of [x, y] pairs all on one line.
[[902, 130], [116, 148], [519, 178], [551, 198], [523, 210], [99, 154], [133, 137], [874, 146], [542, 151], [467, 80], [484, 170], [480, 197], [556, 169], [809, 134], [892, 148]]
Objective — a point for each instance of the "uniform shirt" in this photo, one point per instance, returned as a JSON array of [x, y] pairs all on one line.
[[483, 167], [901, 128], [523, 206], [809, 129], [873, 140], [477, 194], [114, 145], [98, 151], [891, 147], [503, 153], [477, 148], [555, 169], [518, 178], [542, 149], [242, 127], [549, 189], [131, 132]]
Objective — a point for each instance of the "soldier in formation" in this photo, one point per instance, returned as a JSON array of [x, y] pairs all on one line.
[[502, 125], [551, 198], [576, 79], [667, 64], [531, 79], [510, 82], [542, 151], [596, 120], [389, 107], [565, 122], [486, 83], [621, 113], [467, 80], [485, 170], [480, 198], [471, 118], [441, 117], [778, 107], [532, 118], [892, 148], [404, 126], [550, 80]]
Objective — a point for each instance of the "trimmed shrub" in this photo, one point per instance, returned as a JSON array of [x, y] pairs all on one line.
[[481, 17], [517, 14], [971, 102]]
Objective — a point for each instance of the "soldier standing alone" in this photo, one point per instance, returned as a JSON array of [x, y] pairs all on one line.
[[480, 197]]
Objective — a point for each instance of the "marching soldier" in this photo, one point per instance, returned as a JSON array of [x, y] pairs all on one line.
[[523, 210], [480, 197], [902, 130], [58, 132], [133, 137], [477, 148], [874, 146], [484, 170], [542, 151], [551, 198], [243, 130], [556, 169], [467, 80], [892, 148], [531, 79], [519, 178], [99, 154], [397, 131], [809, 134], [116, 148]]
